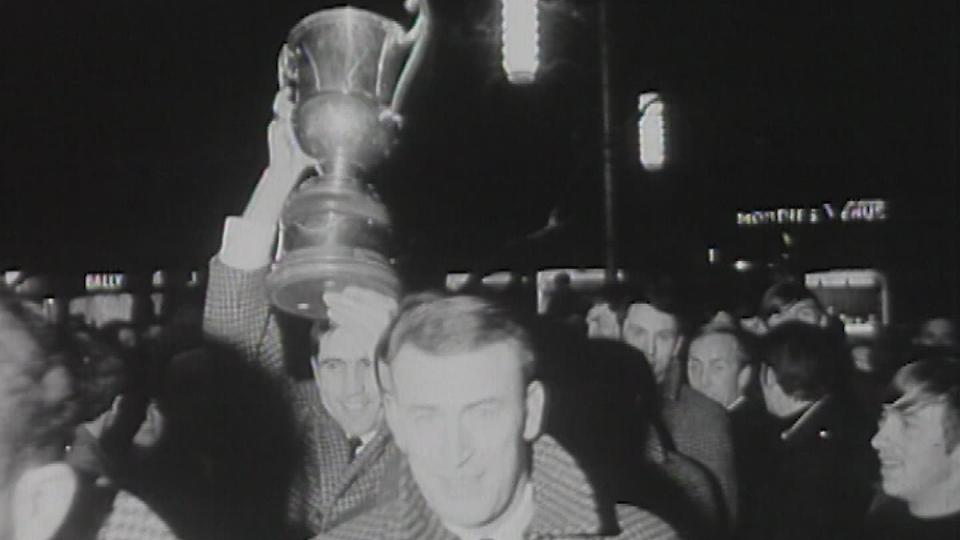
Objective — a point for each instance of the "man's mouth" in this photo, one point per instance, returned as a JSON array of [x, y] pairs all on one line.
[[355, 406], [462, 486], [889, 462]]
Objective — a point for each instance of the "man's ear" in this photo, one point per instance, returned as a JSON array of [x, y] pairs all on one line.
[[392, 414], [955, 456], [536, 404], [767, 376], [152, 427], [41, 500]]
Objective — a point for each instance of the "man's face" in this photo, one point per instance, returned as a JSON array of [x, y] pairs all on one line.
[[937, 333], [914, 460], [713, 367], [344, 372], [464, 421], [655, 333]]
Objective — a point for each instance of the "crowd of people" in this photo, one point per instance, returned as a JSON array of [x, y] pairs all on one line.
[[445, 416]]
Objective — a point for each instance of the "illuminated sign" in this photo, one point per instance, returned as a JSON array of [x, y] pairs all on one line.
[[651, 134], [105, 282], [496, 281], [860, 298], [853, 211], [586, 282]]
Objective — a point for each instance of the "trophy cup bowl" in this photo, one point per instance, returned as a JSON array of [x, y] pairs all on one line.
[[347, 69]]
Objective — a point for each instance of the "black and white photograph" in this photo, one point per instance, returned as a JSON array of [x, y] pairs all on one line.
[[479, 270]]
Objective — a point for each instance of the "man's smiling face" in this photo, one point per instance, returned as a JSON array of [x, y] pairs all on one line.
[[345, 375], [465, 421], [915, 458]]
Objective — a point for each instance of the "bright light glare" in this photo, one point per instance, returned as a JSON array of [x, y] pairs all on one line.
[[521, 36], [651, 131]]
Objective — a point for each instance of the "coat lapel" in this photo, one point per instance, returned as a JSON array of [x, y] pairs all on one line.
[[347, 488], [566, 504]]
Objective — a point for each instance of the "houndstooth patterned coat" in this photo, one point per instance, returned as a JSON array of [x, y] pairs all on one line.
[[566, 508], [131, 519], [701, 431], [331, 488]]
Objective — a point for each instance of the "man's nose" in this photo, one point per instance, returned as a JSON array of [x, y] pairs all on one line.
[[880, 439], [356, 379], [704, 378], [647, 346], [458, 444]]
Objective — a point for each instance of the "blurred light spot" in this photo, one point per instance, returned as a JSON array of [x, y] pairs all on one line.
[[520, 34]]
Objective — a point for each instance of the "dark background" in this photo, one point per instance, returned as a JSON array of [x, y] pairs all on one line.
[[131, 129]]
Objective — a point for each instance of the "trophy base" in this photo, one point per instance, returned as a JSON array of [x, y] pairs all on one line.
[[297, 282]]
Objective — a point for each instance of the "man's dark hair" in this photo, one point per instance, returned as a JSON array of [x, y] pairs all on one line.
[[661, 291], [36, 406], [783, 294], [806, 360], [938, 379], [438, 323], [746, 346]]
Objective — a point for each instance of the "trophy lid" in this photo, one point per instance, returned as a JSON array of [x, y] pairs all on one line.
[[344, 16]]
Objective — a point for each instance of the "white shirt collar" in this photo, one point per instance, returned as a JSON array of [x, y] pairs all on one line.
[[364, 440], [735, 404], [819, 404], [511, 526]]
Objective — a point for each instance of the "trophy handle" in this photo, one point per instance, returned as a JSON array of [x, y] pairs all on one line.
[[287, 75], [417, 39]]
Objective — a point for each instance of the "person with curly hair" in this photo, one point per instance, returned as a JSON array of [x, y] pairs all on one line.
[[36, 415]]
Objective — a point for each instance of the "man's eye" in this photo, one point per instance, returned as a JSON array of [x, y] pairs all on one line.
[[423, 418], [331, 364], [488, 411]]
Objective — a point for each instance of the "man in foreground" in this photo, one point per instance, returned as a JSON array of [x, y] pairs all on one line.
[[919, 448], [461, 398]]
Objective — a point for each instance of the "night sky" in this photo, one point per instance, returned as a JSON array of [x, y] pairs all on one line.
[[130, 129]]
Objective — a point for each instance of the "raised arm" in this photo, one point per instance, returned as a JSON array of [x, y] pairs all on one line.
[[237, 311]]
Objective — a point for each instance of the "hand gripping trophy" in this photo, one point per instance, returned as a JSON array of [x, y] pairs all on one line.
[[347, 71]]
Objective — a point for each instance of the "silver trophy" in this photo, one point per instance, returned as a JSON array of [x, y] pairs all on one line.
[[348, 70]]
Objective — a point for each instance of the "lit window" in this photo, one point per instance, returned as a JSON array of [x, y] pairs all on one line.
[[520, 35], [651, 131]]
